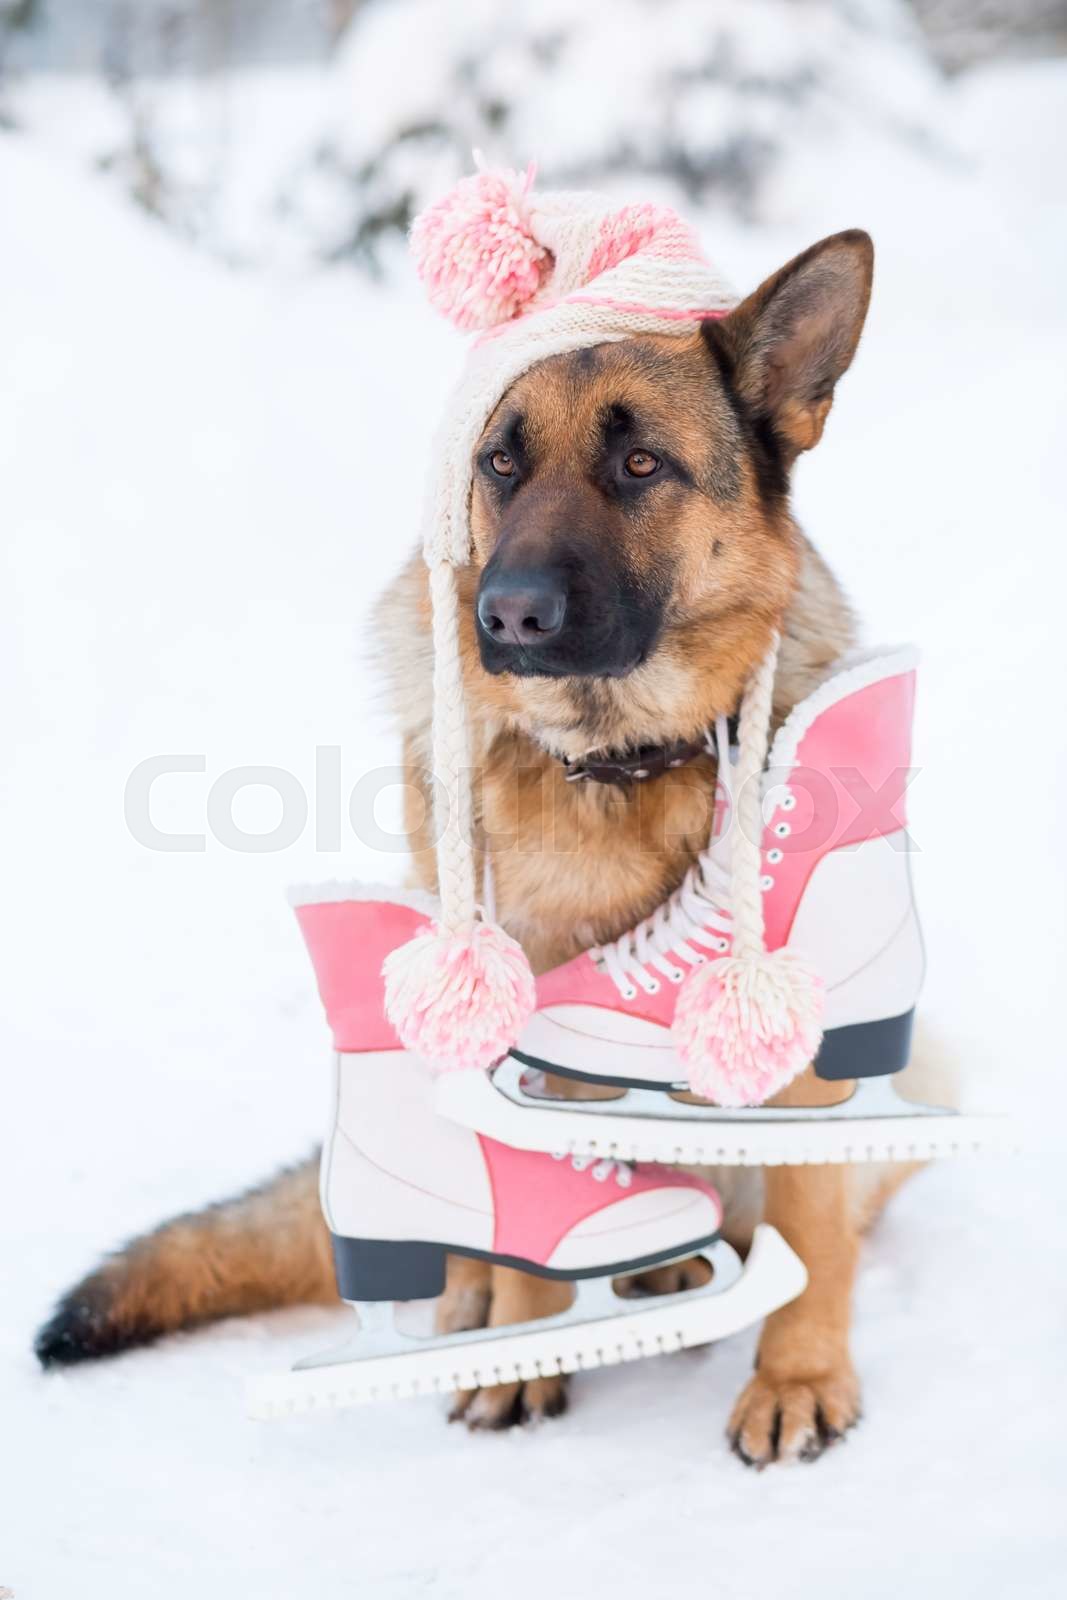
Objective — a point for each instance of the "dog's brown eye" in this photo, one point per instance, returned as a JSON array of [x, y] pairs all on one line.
[[641, 464], [502, 463]]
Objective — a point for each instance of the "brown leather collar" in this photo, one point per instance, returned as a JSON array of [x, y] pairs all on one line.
[[625, 769]]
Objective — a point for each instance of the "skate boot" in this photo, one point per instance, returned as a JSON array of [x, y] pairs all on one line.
[[836, 889], [402, 1187]]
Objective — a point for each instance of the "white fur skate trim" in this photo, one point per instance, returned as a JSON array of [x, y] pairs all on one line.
[[772, 1276], [856, 670], [336, 890]]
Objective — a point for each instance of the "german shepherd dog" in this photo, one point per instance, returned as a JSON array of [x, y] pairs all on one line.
[[634, 551]]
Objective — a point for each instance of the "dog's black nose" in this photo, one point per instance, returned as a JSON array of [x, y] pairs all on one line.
[[522, 607]]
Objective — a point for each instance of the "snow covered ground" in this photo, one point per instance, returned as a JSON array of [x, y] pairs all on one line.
[[206, 478]]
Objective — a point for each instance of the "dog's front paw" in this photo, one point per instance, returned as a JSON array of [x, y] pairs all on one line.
[[507, 1405], [793, 1419], [479, 1296]]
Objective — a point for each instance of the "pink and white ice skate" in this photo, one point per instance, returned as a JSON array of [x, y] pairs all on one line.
[[402, 1187], [836, 889]]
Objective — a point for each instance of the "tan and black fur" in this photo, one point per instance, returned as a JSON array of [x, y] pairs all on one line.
[[673, 587]]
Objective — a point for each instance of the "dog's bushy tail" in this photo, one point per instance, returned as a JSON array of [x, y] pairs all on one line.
[[268, 1247]]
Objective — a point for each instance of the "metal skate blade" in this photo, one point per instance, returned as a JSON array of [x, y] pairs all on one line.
[[874, 1124], [600, 1329]]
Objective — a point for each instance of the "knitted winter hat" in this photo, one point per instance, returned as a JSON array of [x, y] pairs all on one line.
[[539, 275]]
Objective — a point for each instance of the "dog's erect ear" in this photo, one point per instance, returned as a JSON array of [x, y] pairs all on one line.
[[787, 344]]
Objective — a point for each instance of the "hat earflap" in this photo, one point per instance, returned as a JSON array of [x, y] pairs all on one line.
[[748, 1023], [459, 992]]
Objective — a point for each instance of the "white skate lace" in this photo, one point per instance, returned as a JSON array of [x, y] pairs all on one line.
[[695, 920], [603, 1169]]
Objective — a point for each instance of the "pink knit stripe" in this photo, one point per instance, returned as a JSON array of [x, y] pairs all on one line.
[[671, 248], [633, 308], [640, 230]]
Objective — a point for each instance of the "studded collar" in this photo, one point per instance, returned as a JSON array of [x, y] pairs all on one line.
[[625, 768]]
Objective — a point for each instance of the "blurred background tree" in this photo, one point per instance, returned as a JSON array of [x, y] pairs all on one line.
[[962, 32], [183, 102], [77, 33]]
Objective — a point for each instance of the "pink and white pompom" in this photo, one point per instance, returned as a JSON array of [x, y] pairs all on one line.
[[459, 999], [475, 252], [745, 1026]]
